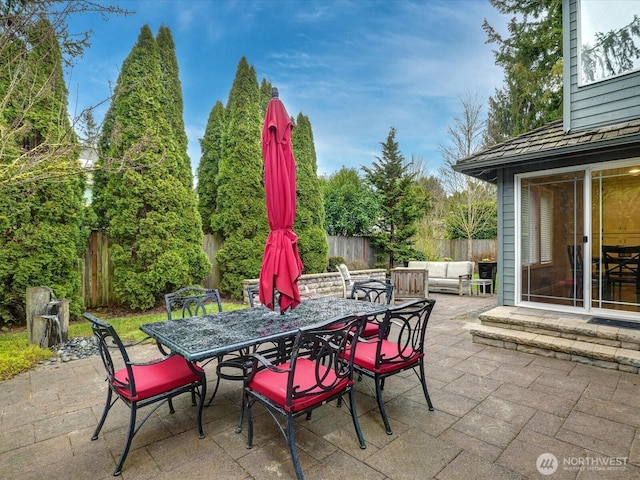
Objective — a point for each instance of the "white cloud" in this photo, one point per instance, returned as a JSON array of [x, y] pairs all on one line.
[[354, 68]]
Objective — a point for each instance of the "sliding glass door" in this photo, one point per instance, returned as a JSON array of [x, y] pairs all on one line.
[[551, 247], [615, 231], [585, 258]]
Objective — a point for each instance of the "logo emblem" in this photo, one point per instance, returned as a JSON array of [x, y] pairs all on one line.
[[547, 464]]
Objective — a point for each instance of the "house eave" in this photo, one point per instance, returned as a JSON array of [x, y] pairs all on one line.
[[487, 169]]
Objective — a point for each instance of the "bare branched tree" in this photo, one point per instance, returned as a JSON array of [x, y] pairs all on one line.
[[26, 155], [468, 198]]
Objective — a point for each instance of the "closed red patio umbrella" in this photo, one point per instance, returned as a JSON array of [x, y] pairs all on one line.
[[281, 264]]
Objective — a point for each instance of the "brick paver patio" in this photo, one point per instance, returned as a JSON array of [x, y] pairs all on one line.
[[496, 412]]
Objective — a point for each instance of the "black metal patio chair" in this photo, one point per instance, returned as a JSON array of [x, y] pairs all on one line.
[[319, 370], [254, 295], [141, 384], [192, 301], [253, 292], [399, 346], [372, 290]]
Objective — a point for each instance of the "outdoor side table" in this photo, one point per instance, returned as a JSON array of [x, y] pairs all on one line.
[[482, 283]]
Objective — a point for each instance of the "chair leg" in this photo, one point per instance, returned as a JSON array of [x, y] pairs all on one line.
[[354, 417], [379, 384], [241, 419], [247, 406], [292, 448], [203, 394], [127, 445], [171, 409], [107, 407], [423, 381]]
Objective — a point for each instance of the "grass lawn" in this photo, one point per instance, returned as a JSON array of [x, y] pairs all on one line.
[[16, 355]]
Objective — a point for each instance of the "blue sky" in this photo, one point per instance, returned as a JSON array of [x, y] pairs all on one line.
[[354, 67]]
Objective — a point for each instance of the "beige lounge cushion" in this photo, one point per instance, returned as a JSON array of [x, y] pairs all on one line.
[[417, 264], [459, 268], [437, 269]]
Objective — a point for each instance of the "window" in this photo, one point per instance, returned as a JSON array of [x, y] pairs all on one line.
[[609, 38], [537, 225]]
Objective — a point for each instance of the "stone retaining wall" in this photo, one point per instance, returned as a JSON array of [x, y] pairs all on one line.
[[322, 284]]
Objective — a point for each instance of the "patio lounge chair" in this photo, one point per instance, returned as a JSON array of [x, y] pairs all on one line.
[[347, 279]]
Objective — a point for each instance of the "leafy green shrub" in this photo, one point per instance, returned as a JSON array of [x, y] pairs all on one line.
[[419, 256], [334, 262]]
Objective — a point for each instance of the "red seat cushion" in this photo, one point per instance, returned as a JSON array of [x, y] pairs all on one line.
[[371, 329], [273, 385], [158, 378], [366, 356]]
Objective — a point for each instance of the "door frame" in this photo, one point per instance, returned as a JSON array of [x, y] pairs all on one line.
[[587, 308]]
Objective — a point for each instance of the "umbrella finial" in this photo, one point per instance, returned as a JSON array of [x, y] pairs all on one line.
[[274, 92]]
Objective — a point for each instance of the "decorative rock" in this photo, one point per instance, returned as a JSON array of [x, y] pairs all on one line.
[[73, 349]]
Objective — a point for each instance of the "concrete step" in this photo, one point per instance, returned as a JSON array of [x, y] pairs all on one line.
[[569, 337]]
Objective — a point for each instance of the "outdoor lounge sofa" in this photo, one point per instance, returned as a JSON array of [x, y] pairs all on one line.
[[447, 276]]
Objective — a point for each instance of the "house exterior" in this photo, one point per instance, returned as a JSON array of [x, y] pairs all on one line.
[[569, 192], [88, 160]]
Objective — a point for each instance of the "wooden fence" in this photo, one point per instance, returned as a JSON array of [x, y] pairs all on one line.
[[458, 249], [97, 286], [357, 251]]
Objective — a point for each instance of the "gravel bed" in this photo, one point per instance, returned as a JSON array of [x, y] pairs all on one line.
[[73, 349]]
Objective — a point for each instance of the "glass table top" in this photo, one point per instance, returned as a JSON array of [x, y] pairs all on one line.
[[201, 337]]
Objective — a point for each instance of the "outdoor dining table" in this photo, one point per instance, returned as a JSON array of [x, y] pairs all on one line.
[[203, 337]]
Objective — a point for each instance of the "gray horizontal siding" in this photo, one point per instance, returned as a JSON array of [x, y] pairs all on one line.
[[606, 102], [506, 238]]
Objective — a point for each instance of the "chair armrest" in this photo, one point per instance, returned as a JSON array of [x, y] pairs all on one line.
[[461, 278], [360, 277], [252, 364], [133, 344], [240, 363], [368, 340], [154, 361]]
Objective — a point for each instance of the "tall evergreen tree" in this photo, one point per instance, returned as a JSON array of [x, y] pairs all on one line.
[[20, 22], [41, 215], [212, 148], [531, 57], [174, 105], [265, 96], [312, 243], [240, 217], [151, 214], [392, 181]]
